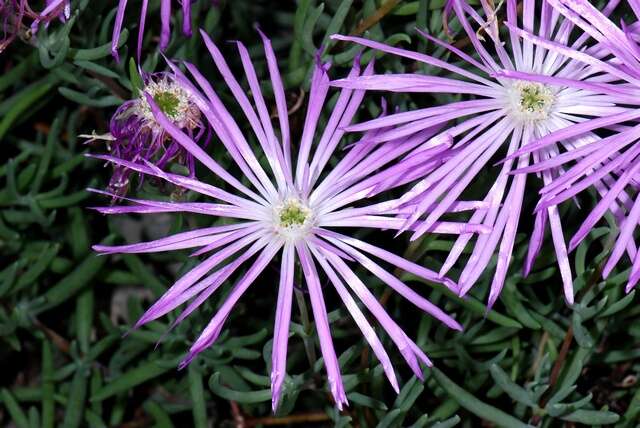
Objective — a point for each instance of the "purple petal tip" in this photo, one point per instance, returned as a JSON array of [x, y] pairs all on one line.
[[456, 326], [630, 285]]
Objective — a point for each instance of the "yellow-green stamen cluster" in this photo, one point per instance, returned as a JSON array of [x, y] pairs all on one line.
[[293, 214], [292, 218], [172, 99], [168, 103], [531, 100]]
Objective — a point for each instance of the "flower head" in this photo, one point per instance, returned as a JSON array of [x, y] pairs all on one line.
[[137, 136], [293, 208], [608, 165], [500, 114]]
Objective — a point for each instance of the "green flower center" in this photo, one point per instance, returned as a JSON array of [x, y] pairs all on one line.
[[293, 214], [169, 103], [530, 101], [533, 98]]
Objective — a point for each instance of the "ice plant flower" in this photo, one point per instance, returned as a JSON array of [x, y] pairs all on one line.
[[14, 12], [136, 135], [165, 18], [498, 116], [609, 165], [291, 208]]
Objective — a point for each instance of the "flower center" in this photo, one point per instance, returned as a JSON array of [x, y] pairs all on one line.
[[172, 99], [293, 214], [169, 103], [293, 218], [531, 100]]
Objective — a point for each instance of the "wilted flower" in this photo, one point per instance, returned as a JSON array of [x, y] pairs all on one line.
[[136, 135], [292, 211], [165, 17], [609, 165], [501, 116], [13, 13]]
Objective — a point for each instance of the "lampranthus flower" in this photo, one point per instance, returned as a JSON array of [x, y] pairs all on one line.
[[609, 165], [500, 116], [136, 135], [165, 17], [293, 210]]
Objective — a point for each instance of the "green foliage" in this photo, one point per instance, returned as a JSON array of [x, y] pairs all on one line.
[[68, 353]]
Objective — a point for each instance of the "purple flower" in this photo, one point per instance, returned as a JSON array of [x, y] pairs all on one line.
[[14, 12], [291, 208], [136, 135], [165, 18], [609, 165], [496, 116]]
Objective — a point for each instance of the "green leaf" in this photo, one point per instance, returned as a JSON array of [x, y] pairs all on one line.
[[336, 22], [564, 408], [45, 157], [474, 405], [592, 417], [245, 397], [392, 419], [295, 54], [98, 52], [449, 423], [409, 394], [445, 410], [93, 420], [83, 99], [618, 306], [15, 412], [96, 68], [136, 80], [68, 286], [38, 268], [309, 25], [84, 319], [162, 418], [77, 396], [582, 335], [131, 379], [495, 335], [252, 339], [48, 387], [364, 400], [196, 391], [515, 391], [570, 376], [15, 74], [23, 100]]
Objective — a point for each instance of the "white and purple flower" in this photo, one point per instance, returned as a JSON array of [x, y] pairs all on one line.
[[609, 165], [501, 113], [292, 208]]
